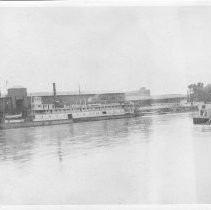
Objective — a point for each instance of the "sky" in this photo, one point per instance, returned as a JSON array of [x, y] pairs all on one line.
[[164, 48]]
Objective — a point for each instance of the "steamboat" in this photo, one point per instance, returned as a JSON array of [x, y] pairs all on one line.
[[48, 114]]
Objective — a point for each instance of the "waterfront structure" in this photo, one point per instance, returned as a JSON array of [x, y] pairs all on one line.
[[142, 98], [161, 100], [80, 99], [20, 110], [66, 108], [139, 101], [15, 102], [139, 97], [168, 98], [18, 101], [161, 104], [143, 91]]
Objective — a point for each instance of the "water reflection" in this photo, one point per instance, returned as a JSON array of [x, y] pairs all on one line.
[[22, 144], [202, 148], [154, 159], [15, 145], [172, 166]]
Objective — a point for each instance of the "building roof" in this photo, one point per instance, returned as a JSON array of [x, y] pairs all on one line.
[[16, 87], [166, 96], [137, 98], [63, 93]]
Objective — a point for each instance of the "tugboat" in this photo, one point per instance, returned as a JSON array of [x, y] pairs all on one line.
[[204, 115]]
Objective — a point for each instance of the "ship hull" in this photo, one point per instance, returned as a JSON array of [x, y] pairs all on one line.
[[58, 122], [97, 118], [34, 124]]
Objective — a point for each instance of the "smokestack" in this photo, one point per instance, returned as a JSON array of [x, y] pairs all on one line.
[[54, 92]]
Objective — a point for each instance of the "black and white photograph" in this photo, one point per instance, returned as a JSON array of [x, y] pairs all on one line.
[[105, 104]]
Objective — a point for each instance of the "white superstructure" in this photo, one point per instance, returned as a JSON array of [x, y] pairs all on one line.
[[46, 112]]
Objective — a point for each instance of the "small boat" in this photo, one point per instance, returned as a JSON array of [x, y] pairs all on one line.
[[16, 118], [204, 115]]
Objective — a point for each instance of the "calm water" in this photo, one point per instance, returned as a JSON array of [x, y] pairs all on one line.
[[160, 159]]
